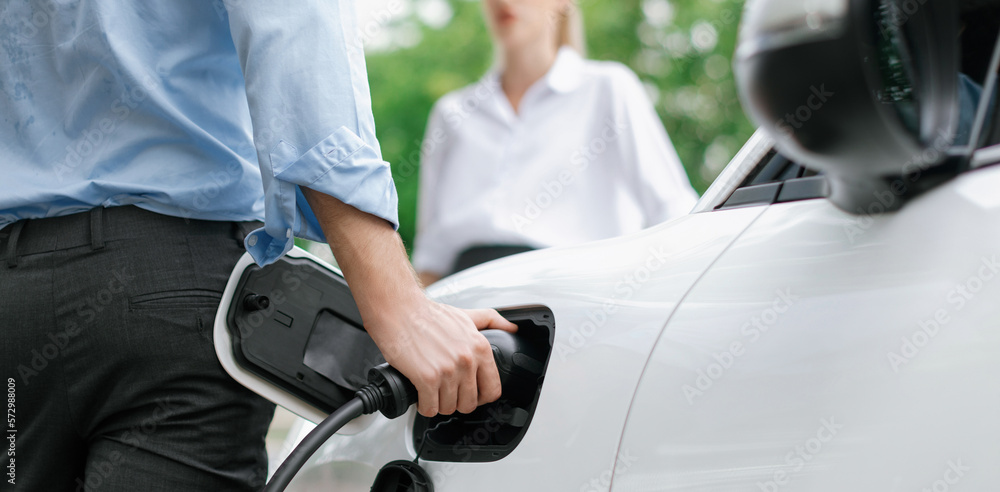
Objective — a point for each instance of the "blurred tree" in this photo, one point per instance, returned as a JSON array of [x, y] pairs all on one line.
[[681, 49]]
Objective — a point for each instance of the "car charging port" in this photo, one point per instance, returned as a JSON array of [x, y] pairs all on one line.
[[520, 359], [493, 430], [293, 328]]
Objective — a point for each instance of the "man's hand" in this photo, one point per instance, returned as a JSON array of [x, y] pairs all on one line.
[[440, 350], [437, 347]]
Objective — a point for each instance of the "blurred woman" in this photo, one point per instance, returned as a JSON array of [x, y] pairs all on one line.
[[548, 149]]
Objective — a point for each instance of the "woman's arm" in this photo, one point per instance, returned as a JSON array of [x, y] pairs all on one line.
[[429, 254], [656, 173]]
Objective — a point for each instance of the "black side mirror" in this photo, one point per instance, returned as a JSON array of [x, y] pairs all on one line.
[[865, 91]]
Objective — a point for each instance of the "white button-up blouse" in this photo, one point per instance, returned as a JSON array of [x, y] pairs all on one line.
[[585, 158]]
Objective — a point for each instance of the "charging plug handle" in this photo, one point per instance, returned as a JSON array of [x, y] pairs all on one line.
[[388, 391]]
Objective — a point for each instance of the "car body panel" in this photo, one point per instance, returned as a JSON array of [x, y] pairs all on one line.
[[827, 352], [813, 403], [610, 301]]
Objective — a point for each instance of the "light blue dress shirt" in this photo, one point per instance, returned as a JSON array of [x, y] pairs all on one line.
[[151, 103]]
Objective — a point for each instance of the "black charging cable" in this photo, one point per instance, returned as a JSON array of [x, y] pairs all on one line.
[[387, 391]]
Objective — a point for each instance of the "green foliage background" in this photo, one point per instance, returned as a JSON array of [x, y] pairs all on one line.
[[669, 43]]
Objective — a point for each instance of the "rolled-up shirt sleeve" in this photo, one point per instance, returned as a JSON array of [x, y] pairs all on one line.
[[307, 89]]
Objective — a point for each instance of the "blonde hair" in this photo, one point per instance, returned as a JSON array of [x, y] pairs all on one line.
[[570, 29]]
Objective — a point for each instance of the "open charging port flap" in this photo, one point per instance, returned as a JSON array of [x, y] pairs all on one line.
[[294, 324], [291, 332]]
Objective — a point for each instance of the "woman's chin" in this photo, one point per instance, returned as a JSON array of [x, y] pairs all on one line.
[[515, 40]]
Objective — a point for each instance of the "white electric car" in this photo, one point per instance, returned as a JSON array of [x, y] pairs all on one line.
[[825, 326]]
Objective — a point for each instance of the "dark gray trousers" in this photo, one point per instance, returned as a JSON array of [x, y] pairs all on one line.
[[106, 319]]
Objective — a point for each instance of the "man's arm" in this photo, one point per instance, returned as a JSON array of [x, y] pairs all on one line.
[[427, 278], [313, 129], [438, 347]]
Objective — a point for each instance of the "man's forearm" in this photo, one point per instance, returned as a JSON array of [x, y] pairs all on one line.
[[370, 254], [436, 346], [427, 278]]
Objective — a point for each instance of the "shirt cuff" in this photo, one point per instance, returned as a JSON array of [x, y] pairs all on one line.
[[342, 166]]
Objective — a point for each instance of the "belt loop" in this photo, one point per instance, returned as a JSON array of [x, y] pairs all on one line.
[[97, 228], [243, 229], [15, 233], [238, 233]]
